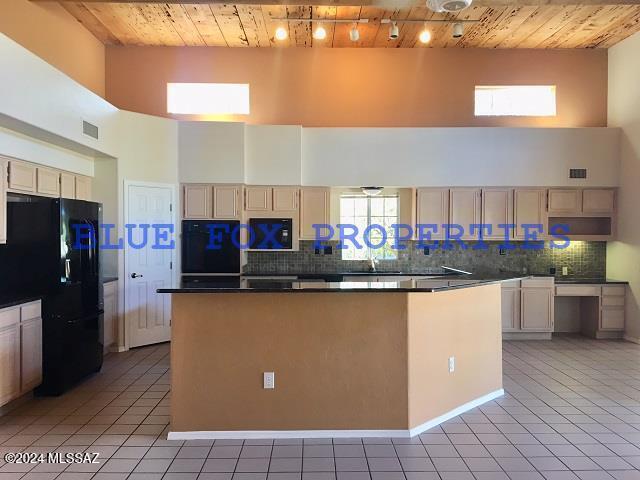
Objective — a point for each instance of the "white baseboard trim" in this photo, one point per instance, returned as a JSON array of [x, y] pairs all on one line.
[[631, 339], [268, 434]]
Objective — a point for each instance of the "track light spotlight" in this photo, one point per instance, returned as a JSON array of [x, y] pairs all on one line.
[[281, 33], [394, 31], [354, 34], [425, 36], [458, 29], [320, 33]]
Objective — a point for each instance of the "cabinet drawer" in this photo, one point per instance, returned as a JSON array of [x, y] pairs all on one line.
[[614, 290], [577, 291], [543, 282], [30, 310], [612, 301], [511, 284], [9, 316], [612, 319]]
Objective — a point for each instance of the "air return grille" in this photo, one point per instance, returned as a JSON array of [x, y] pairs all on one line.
[[577, 173], [89, 129]]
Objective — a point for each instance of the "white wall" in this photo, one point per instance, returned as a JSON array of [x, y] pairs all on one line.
[[273, 154], [211, 152], [52, 105], [458, 156], [623, 256]]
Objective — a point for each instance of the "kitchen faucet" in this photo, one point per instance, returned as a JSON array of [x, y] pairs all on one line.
[[373, 264]]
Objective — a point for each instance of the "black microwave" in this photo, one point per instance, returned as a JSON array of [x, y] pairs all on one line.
[[271, 234]]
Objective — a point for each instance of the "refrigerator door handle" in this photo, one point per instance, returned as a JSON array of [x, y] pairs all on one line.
[[67, 268]]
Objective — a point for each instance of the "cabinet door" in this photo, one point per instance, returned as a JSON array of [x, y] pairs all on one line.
[[48, 182], [465, 209], [510, 309], [83, 188], [9, 362], [314, 209], [110, 314], [598, 200], [285, 199], [3, 201], [258, 199], [196, 201], [225, 201], [22, 176], [537, 309], [497, 209], [564, 202], [612, 318], [529, 207], [433, 208], [31, 354], [67, 185]]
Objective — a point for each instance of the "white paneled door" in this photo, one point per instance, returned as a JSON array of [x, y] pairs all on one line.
[[147, 313]]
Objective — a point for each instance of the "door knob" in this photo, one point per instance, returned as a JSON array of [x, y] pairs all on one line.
[[136, 275]]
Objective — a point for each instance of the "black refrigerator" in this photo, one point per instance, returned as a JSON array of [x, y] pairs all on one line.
[[53, 250]]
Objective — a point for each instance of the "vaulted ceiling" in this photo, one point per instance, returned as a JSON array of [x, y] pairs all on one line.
[[502, 24]]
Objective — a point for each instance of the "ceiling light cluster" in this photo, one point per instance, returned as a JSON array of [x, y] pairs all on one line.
[[320, 33]]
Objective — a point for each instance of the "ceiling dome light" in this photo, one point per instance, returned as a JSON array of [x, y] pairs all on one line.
[[394, 31], [425, 36], [458, 29], [448, 5], [281, 33], [320, 33], [354, 34], [371, 191]]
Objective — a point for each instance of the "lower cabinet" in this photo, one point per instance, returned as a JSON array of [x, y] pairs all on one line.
[[3, 201], [110, 315], [511, 306], [20, 350], [537, 309], [528, 307]]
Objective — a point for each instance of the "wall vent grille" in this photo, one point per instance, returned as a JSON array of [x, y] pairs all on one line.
[[577, 173], [90, 129]]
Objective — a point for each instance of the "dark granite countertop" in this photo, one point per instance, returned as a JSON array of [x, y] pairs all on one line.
[[11, 300], [248, 285], [347, 274], [589, 281]]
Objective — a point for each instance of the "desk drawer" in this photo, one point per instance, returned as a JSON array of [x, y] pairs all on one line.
[[538, 282], [611, 301], [613, 290], [577, 291]]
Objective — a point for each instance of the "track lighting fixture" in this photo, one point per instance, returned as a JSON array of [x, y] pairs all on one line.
[[281, 33], [394, 31], [320, 33], [425, 36], [354, 34], [458, 29]]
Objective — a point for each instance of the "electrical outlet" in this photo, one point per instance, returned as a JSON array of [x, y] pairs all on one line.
[[269, 380], [502, 251], [328, 250], [426, 251], [565, 270], [452, 364]]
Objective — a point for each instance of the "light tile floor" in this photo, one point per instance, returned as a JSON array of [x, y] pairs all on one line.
[[571, 411]]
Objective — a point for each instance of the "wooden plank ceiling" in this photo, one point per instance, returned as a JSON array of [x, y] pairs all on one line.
[[243, 25]]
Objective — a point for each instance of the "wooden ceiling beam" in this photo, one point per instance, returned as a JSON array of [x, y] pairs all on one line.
[[380, 3]]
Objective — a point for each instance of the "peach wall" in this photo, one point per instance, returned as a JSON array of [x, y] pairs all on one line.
[[50, 32], [363, 87]]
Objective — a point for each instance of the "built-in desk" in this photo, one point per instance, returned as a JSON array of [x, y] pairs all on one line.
[[595, 310]]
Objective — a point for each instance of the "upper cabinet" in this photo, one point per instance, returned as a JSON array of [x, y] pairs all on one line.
[[565, 201], [258, 199], [583, 213], [529, 207], [497, 209], [314, 209], [196, 201], [48, 182], [3, 201], [465, 210], [598, 201], [433, 208], [83, 188], [67, 185], [285, 199], [226, 202], [22, 176]]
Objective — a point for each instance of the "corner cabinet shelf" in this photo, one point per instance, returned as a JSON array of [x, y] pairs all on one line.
[[588, 213]]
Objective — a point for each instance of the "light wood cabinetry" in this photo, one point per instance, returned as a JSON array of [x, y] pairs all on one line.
[[285, 199], [67, 185], [196, 201], [47, 182], [511, 306], [3, 201], [226, 202], [497, 209], [528, 307], [20, 350], [258, 199], [465, 210], [565, 201], [612, 308], [598, 201], [83, 188], [537, 309], [22, 176], [110, 315], [314, 209], [529, 207], [433, 209]]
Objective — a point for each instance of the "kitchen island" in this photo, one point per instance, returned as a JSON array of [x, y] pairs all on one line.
[[350, 358]]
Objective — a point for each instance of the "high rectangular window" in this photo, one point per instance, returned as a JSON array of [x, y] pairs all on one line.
[[363, 211], [208, 98], [516, 100]]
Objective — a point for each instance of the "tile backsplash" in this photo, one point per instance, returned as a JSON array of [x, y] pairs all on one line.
[[583, 260]]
